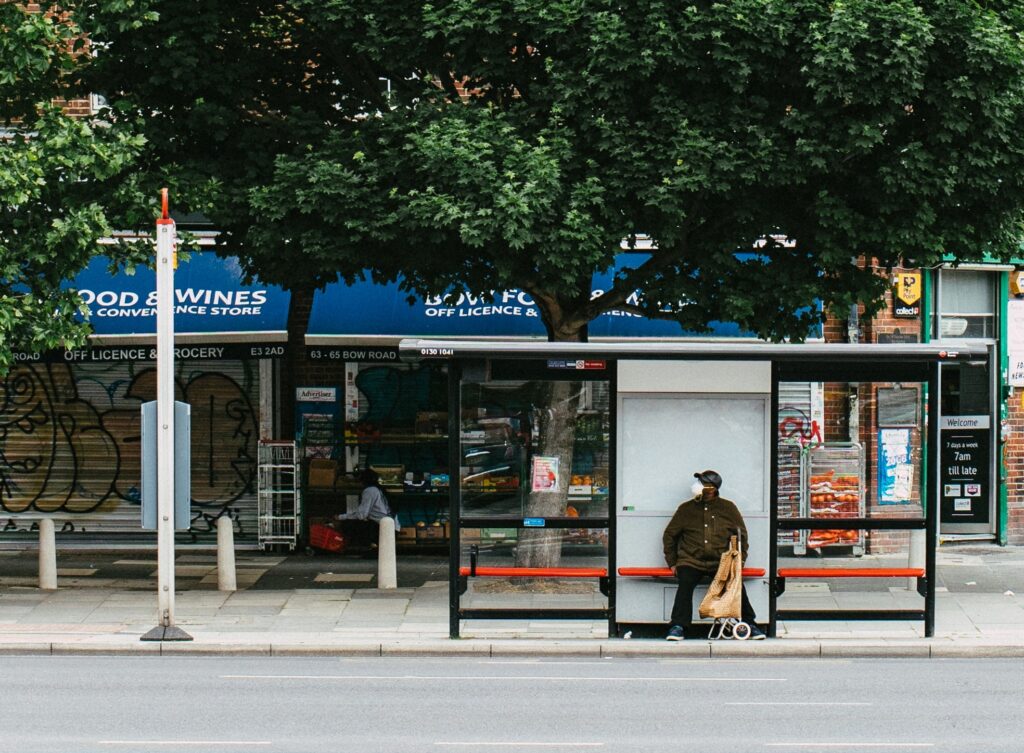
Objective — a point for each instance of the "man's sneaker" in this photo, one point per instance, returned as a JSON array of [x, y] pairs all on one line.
[[756, 634], [675, 633]]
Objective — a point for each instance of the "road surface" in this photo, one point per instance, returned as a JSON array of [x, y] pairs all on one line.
[[446, 705]]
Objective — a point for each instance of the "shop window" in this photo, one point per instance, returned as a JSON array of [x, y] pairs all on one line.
[[535, 448], [966, 304]]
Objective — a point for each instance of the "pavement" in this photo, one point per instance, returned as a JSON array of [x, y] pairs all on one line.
[[329, 604]]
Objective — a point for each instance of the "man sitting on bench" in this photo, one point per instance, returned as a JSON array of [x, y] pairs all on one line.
[[694, 542]]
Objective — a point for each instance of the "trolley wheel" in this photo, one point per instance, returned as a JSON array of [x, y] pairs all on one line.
[[741, 631]]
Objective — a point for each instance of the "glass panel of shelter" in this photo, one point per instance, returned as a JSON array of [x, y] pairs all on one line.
[[511, 467], [857, 454], [507, 465]]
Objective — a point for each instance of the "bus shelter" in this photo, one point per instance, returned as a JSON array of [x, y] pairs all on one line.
[[567, 460]]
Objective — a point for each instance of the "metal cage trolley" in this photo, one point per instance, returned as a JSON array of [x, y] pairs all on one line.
[[278, 494]]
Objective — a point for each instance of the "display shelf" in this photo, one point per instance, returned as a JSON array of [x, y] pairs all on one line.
[[279, 499], [833, 487], [393, 439]]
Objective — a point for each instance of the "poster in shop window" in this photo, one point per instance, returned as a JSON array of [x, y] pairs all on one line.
[[895, 467], [545, 474]]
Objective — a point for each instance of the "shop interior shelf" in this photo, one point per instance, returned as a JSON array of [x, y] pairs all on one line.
[[394, 439]]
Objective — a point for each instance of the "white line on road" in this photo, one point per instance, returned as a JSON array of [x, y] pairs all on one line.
[[527, 744], [850, 745], [490, 678], [544, 662], [798, 703], [184, 742]]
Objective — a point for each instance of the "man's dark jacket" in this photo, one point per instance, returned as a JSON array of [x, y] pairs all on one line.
[[699, 533]]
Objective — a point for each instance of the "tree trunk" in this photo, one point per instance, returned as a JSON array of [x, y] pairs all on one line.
[[559, 408], [542, 547]]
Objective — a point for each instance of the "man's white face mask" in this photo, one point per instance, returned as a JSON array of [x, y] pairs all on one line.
[[697, 487]]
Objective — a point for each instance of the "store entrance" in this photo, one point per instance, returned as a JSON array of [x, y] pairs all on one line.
[[966, 451]]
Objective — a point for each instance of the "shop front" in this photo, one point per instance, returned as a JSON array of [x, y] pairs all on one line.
[[968, 307], [359, 405], [70, 420]]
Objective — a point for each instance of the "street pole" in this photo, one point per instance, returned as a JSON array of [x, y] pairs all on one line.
[[165, 264]]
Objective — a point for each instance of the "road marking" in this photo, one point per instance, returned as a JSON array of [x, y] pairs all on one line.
[[535, 662], [492, 678], [753, 660], [184, 742], [850, 745], [798, 703], [526, 744]]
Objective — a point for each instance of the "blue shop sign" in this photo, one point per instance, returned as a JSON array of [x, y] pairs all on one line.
[[369, 309], [210, 298]]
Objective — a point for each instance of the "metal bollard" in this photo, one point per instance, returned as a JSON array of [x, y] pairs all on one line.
[[387, 567], [916, 556], [225, 555], [47, 555]]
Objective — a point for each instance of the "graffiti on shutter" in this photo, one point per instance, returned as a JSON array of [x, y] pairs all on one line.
[[69, 444]]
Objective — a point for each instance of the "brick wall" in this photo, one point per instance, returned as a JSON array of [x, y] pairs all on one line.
[[1013, 457]]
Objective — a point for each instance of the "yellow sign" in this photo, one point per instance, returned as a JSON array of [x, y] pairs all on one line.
[[908, 287], [1017, 282]]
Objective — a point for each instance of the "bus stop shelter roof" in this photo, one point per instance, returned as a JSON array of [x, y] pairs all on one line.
[[806, 353]]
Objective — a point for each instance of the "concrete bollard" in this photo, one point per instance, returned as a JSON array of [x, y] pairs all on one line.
[[916, 556], [387, 567], [226, 554], [47, 555]]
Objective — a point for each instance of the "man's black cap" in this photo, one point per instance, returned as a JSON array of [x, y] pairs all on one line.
[[709, 478]]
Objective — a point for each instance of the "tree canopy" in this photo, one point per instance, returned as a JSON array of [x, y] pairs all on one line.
[[53, 170], [478, 145]]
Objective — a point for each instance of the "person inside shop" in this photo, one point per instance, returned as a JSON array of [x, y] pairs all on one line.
[[361, 527], [695, 540]]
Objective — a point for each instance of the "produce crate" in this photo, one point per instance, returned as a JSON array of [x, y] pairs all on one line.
[[833, 487]]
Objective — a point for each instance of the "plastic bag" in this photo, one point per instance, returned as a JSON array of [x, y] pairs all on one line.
[[725, 594]]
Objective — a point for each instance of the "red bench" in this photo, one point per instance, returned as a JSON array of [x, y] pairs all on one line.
[[851, 572]]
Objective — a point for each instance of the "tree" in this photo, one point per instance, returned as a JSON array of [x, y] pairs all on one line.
[[53, 169], [763, 145], [518, 142]]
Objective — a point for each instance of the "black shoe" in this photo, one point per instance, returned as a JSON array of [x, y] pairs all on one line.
[[756, 634], [675, 633]]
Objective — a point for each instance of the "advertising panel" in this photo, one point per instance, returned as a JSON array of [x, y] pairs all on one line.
[[964, 465]]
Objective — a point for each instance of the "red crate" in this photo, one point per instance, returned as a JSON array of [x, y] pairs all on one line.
[[326, 538]]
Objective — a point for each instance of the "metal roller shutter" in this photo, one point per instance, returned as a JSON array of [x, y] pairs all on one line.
[[69, 445], [800, 413]]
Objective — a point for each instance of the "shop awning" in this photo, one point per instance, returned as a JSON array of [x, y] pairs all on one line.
[[217, 314], [213, 303], [371, 314]]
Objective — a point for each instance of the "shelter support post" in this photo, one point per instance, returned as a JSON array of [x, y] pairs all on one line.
[[455, 588], [931, 499], [773, 507]]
